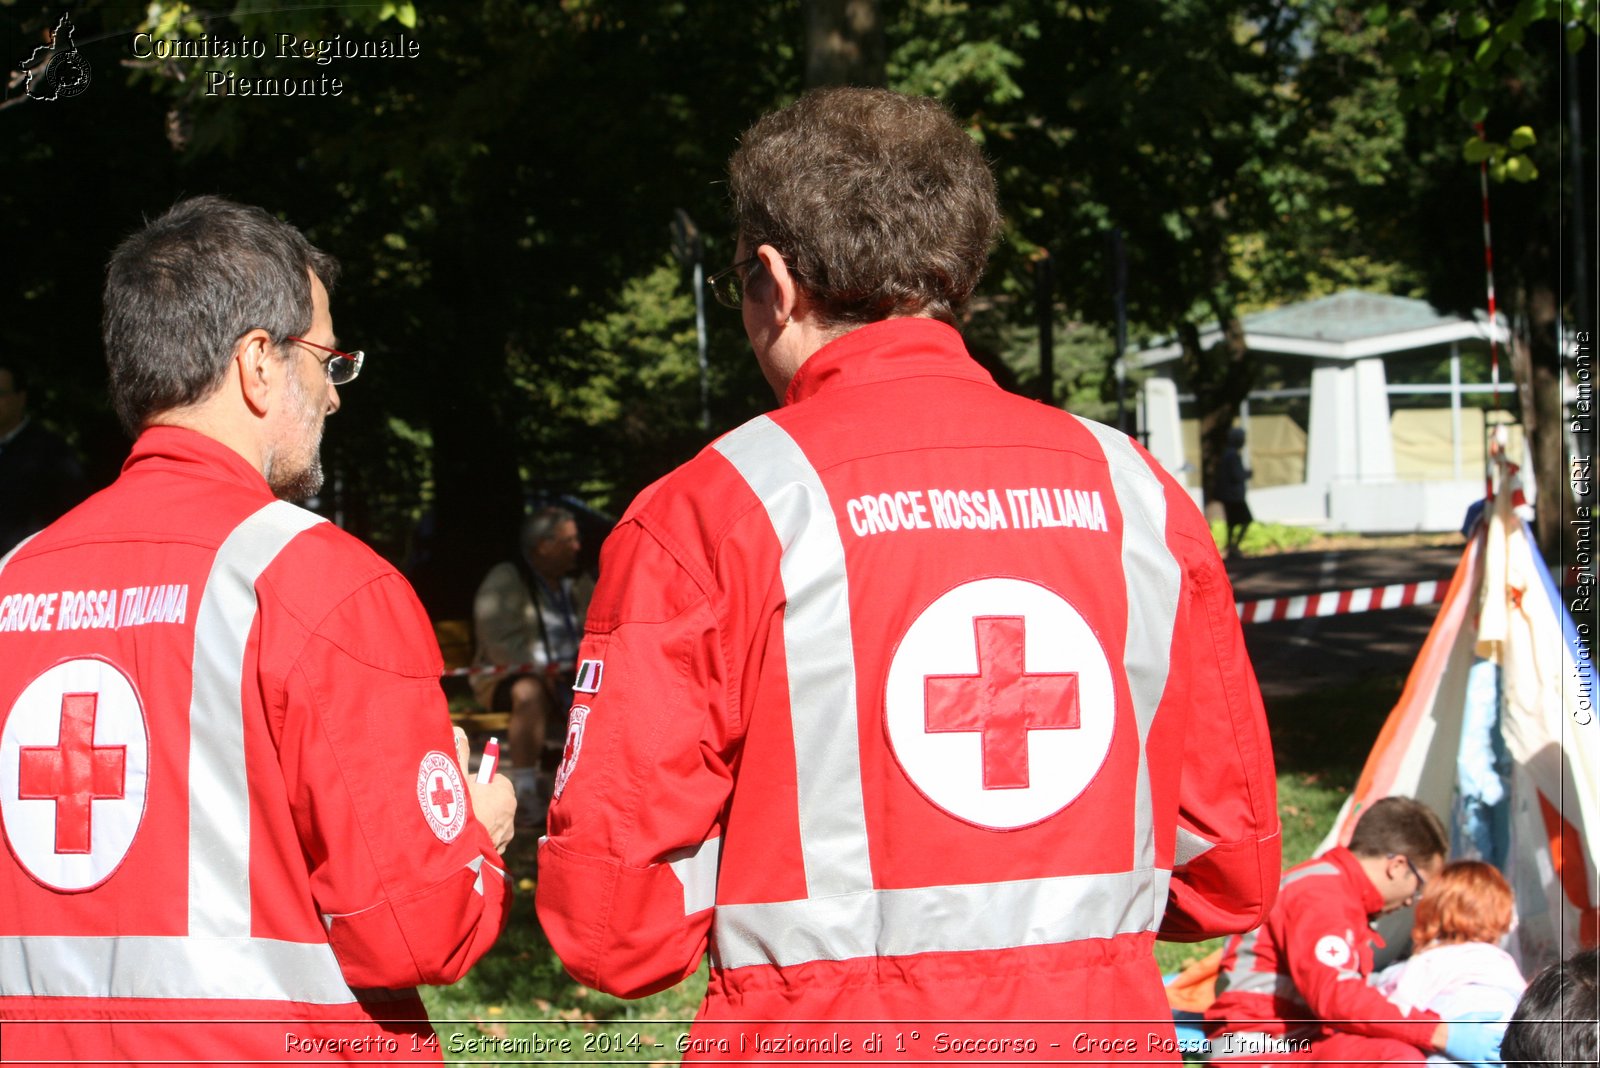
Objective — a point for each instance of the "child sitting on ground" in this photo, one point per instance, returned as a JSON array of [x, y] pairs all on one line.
[[1457, 968]]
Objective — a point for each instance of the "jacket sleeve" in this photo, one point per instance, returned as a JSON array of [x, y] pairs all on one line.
[[627, 874], [408, 882], [1325, 968], [1227, 861]]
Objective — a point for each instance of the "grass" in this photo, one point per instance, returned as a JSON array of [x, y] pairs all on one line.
[[1263, 538], [518, 1004], [519, 993], [1270, 539]]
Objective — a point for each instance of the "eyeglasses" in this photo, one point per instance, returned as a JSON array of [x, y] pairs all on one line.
[[342, 367], [1415, 874], [727, 285]]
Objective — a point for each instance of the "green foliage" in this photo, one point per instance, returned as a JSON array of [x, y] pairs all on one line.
[[1470, 55], [520, 992], [1267, 537], [618, 394]]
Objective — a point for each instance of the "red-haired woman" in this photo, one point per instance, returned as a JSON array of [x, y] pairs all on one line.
[[1457, 966]]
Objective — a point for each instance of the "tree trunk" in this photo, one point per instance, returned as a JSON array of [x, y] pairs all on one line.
[[1539, 393], [477, 488], [844, 43]]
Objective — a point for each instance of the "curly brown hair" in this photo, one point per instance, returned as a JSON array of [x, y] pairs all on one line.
[[880, 203], [1469, 901]]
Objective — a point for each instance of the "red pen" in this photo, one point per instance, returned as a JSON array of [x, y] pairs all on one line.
[[490, 761]]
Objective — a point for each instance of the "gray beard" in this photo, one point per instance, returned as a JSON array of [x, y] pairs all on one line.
[[305, 482], [298, 485]]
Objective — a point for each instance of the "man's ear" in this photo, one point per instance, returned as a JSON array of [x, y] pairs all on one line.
[[255, 360], [781, 293]]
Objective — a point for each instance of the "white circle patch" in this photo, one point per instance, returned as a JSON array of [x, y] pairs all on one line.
[[1000, 704], [442, 796], [74, 761], [1333, 951], [569, 755]]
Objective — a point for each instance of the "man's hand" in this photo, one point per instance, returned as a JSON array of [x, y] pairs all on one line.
[[493, 802]]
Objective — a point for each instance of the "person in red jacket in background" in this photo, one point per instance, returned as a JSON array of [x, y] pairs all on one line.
[[237, 825], [922, 706], [1296, 989]]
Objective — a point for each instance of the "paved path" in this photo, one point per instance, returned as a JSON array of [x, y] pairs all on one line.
[[1301, 656]]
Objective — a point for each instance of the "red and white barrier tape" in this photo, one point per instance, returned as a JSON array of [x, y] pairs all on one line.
[[1342, 602], [491, 669], [1270, 610]]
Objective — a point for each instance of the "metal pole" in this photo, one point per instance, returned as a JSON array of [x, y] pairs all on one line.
[[1044, 298], [690, 248], [700, 336]]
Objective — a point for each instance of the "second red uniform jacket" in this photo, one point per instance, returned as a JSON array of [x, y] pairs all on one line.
[[1310, 962], [914, 701]]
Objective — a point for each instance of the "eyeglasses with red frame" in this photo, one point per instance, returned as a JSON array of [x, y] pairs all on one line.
[[342, 367]]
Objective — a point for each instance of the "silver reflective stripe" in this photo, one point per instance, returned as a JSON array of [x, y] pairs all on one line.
[[133, 966], [979, 916], [1154, 579], [696, 868], [219, 793], [217, 958], [476, 866], [1244, 976], [843, 917], [1190, 846], [820, 661], [1324, 868]]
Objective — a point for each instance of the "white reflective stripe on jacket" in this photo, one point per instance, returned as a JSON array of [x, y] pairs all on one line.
[[217, 958], [842, 915]]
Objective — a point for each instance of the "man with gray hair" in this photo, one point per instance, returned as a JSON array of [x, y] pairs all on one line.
[[239, 828], [923, 706], [527, 617]]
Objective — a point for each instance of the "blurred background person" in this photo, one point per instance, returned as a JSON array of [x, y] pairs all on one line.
[[528, 617], [40, 476]]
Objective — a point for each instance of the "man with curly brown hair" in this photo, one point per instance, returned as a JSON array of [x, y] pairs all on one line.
[[922, 705]]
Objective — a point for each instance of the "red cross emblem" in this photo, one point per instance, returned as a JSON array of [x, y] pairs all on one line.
[[74, 774], [442, 797], [576, 718], [1002, 702]]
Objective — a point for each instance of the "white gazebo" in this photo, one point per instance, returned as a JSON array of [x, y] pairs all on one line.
[[1365, 419]]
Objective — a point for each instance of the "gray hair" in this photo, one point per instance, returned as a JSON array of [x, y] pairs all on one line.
[[180, 292], [542, 525]]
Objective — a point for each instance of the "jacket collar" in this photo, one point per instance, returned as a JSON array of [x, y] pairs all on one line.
[[173, 448], [889, 349], [1356, 876]]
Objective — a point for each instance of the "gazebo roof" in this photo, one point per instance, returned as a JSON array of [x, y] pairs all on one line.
[[1349, 325]]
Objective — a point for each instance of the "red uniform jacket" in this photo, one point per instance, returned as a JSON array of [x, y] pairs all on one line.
[[1310, 961], [227, 782], [915, 701]]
